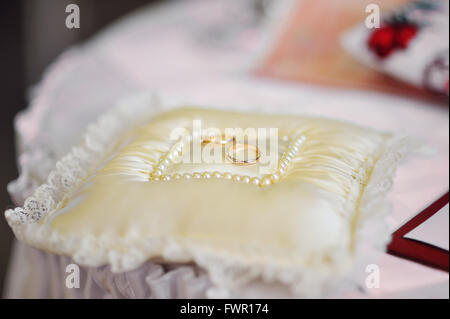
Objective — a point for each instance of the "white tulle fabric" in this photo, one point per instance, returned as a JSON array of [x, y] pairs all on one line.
[[44, 274]]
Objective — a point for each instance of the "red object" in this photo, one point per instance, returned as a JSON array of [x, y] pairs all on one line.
[[382, 41], [388, 38], [404, 34], [416, 250]]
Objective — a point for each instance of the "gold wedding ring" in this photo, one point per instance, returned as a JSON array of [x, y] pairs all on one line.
[[215, 139], [250, 154]]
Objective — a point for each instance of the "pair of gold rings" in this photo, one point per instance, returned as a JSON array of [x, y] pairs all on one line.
[[238, 153]]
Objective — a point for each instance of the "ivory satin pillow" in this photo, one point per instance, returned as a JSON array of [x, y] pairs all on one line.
[[294, 210]]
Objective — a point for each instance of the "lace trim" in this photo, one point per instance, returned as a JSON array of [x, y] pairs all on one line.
[[225, 269]]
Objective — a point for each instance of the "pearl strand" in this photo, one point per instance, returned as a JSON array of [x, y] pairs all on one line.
[[283, 165], [174, 153]]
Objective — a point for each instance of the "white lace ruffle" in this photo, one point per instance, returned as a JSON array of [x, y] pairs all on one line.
[[225, 270]]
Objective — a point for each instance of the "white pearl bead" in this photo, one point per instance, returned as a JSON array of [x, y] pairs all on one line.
[[236, 178], [217, 175], [187, 176], [281, 171], [162, 167], [246, 179], [157, 172], [167, 178], [176, 176], [275, 177], [266, 181], [197, 175], [227, 176], [207, 175], [255, 181]]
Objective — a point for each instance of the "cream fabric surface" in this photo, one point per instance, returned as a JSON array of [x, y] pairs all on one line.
[[302, 220]]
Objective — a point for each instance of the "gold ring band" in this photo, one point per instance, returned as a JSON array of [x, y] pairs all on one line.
[[242, 147], [223, 140]]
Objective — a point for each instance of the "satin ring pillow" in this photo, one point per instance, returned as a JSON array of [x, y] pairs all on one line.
[[245, 195]]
